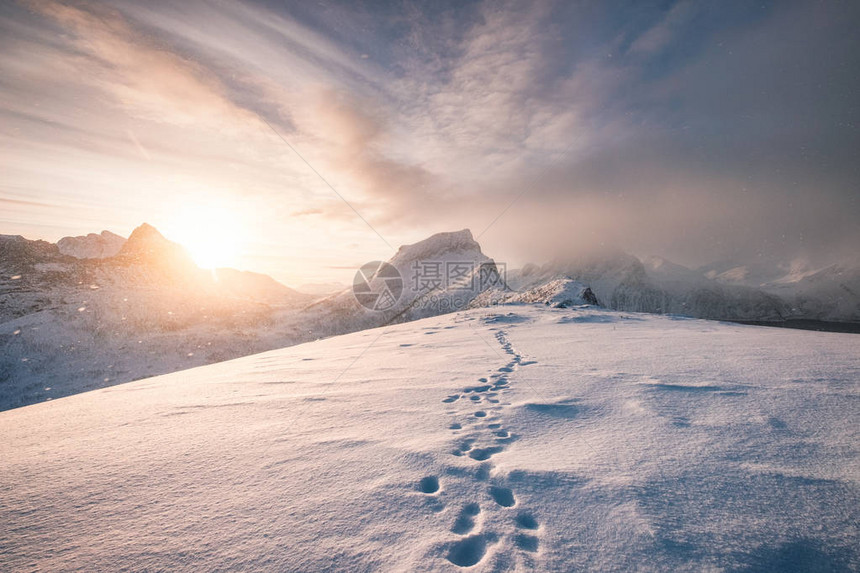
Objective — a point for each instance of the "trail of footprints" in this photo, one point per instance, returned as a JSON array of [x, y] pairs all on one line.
[[480, 436]]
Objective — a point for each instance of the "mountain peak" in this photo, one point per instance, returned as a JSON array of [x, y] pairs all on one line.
[[147, 244], [145, 237], [146, 230], [440, 244]]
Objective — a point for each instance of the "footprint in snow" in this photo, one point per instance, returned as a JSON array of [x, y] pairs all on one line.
[[527, 542], [503, 496], [428, 485], [465, 521], [468, 551], [464, 447], [526, 520], [482, 388], [483, 454]]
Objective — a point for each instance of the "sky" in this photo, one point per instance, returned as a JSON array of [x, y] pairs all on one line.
[[303, 139]]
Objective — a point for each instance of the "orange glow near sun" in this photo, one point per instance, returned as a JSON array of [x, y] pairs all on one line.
[[213, 235]]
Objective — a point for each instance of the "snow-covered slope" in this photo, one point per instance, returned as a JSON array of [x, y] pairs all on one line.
[[518, 438], [92, 246]]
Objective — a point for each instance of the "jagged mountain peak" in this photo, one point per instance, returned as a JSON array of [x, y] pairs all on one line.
[[145, 234], [146, 242]]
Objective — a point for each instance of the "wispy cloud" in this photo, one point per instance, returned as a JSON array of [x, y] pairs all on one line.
[[661, 34], [152, 83]]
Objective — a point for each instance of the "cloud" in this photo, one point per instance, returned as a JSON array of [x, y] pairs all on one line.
[[661, 34], [685, 129], [150, 82], [351, 137]]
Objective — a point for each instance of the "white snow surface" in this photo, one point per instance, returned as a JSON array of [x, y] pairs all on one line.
[[561, 440]]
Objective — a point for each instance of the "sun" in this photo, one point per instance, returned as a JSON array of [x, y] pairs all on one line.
[[212, 234]]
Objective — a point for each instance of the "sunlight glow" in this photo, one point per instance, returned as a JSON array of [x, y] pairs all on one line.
[[213, 234]]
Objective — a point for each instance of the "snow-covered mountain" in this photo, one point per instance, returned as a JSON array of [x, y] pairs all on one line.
[[832, 293], [622, 282], [440, 274], [757, 273], [68, 324], [92, 246], [71, 324], [724, 292], [827, 294], [519, 438]]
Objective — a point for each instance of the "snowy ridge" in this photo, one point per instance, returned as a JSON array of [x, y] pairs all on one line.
[[517, 438], [558, 293]]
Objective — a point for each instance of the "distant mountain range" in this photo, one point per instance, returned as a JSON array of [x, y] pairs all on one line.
[[742, 292], [97, 310]]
